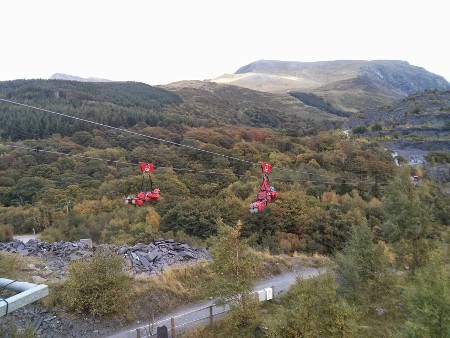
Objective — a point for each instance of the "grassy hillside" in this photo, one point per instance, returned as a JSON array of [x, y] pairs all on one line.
[[126, 104], [234, 101], [355, 94]]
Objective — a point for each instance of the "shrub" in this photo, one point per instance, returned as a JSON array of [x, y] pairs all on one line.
[[377, 127], [97, 285], [438, 157], [287, 242], [359, 130], [6, 233]]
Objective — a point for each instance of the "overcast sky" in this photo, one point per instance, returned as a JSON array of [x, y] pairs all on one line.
[[163, 41]]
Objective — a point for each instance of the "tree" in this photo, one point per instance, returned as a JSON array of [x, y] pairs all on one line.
[[359, 130], [195, 216], [312, 308], [408, 220], [27, 187], [235, 266], [377, 127], [428, 301], [363, 266]]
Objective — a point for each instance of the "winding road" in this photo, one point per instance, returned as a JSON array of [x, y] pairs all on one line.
[[198, 311]]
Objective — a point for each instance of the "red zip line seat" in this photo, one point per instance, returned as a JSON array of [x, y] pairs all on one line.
[[144, 196]]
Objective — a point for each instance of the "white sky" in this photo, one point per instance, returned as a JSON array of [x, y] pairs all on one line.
[[163, 41]]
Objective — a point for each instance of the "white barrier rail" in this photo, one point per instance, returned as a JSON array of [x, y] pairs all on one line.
[[27, 293]]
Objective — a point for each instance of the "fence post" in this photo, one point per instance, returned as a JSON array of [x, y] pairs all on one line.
[[211, 314], [138, 333], [172, 324], [273, 292]]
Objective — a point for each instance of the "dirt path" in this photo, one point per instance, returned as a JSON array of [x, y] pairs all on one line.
[[25, 238]]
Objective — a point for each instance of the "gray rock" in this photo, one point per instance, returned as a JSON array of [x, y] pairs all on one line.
[[186, 254], [87, 242], [144, 261], [134, 256], [23, 252], [151, 256]]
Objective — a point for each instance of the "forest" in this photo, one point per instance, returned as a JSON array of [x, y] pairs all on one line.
[[339, 195]]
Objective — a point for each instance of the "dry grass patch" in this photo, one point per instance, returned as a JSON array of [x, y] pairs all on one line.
[[18, 267], [277, 264], [178, 286], [11, 265]]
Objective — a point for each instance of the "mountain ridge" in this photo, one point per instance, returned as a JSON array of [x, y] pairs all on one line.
[[350, 85], [62, 76]]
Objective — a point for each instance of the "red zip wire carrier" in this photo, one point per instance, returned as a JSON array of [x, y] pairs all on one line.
[[266, 193], [144, 196]]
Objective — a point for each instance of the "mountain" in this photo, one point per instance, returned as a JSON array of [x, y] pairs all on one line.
[[175, 106], [233, 103], [61, 76], [349, 85]]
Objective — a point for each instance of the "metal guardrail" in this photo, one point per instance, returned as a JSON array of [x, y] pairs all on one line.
[[148, 330], [27, 293]]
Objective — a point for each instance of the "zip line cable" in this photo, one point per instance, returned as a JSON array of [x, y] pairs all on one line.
[[128, 131], [37, 150], [170, 142]]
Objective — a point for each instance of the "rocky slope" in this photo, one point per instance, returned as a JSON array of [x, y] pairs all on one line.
[[346, 84], [413, 127]]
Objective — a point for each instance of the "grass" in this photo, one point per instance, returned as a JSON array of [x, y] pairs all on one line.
[[274, 265], [10, 329], [14, 266], [171, 289]]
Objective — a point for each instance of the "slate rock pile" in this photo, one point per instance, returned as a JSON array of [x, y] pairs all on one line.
[[57, 254], [158, 255], [143, 258]]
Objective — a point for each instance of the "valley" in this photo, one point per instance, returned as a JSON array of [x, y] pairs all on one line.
[[359, 154]]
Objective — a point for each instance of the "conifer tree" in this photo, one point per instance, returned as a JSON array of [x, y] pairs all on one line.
[[235, 266], [408, 222], [428, 301], [363, 265]]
